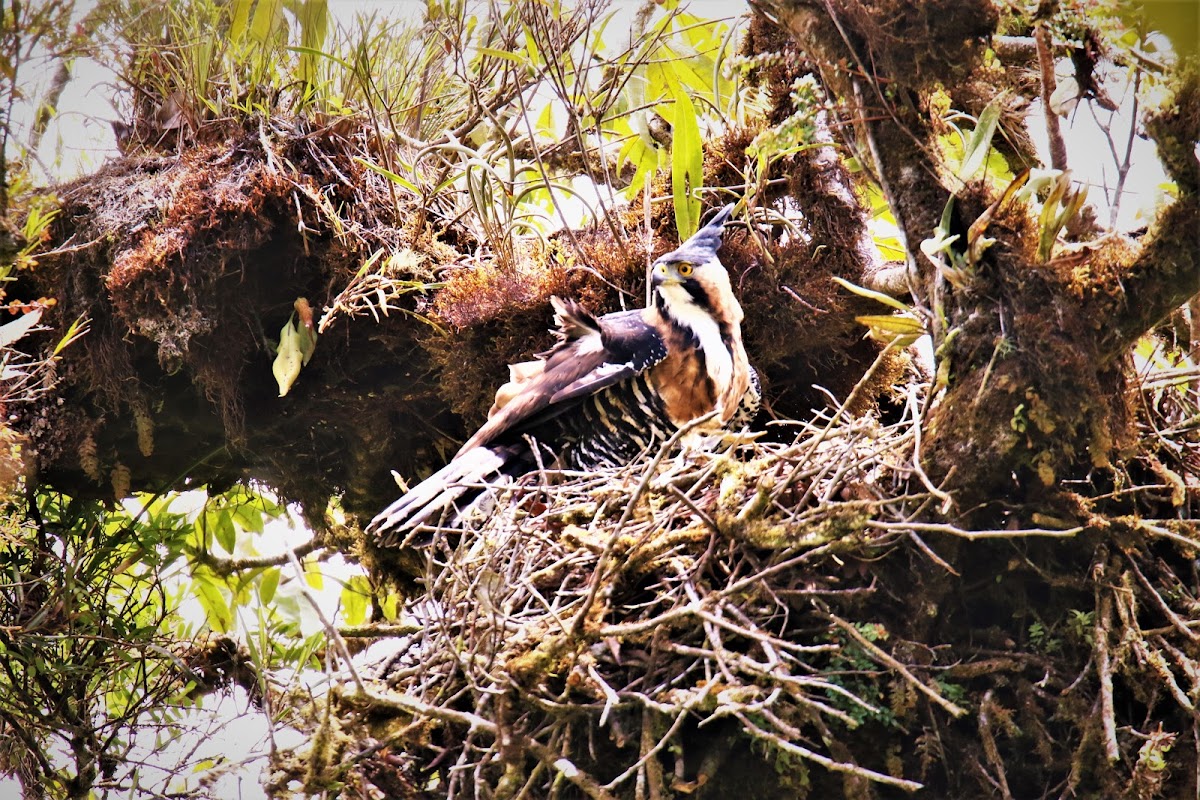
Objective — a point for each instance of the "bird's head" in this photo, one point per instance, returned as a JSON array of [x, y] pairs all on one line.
[[691, 278]]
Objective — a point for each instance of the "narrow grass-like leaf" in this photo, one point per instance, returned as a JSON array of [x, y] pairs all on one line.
[[391, 176], [502, 54], [78, 328], [314, 26], [981, 140], [862, 291], [687, 159]]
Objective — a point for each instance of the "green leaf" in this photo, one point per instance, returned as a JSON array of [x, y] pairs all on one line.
[[981, 140], [306, 340], [645, 159], [287, 604], [687, 159], [241, 595], [266, 17], [268, 585], [903, 329], [531, 48], [627, 150], [354, 600], [545, 120], [223, 530], [313, 575], [314, 27], [249, 517], [687, 64], [289, 358], [976, 241], [240, 20], [390, 603], [78, 328], [890, 248], [216, 610], [943, 228], [301, 50]]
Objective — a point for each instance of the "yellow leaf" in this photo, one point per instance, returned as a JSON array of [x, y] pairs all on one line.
[[862, 291], [288, 358], [902, 329], [504, 54]]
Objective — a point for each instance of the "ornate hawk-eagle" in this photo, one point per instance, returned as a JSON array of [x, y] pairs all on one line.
[[609, 389]]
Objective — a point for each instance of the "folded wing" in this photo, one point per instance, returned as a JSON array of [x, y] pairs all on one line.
[[592, 355]]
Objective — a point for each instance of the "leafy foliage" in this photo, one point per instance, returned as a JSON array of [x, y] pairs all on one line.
[[85, 636], [114, 625]]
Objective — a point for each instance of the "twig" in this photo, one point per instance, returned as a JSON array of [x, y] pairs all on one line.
[[704, 517], [918, 421], [989, 744], [933, 556], [651, 468], [878, 654], [1167, 533], [380, 630], [652, 777], [825, 761], [1177, 623], [816, 441], [648, 754], [954, 530], [1058, 149], [1102, 626], [475, 723], [225, 567], [1159, 665], [633, 628]]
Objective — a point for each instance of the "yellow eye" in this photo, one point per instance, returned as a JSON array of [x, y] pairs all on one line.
[[685, 270]]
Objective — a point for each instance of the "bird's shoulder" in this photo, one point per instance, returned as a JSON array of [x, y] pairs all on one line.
[[620, 335], [590, 354]]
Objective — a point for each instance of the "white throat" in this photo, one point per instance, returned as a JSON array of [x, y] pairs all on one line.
[[718, 361]]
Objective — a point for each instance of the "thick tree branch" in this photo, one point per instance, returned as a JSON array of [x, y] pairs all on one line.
[[1175, 129]]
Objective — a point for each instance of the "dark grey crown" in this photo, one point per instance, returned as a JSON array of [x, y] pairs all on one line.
[[703, 245]]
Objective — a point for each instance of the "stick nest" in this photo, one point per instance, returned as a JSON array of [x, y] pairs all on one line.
[[752, 615]]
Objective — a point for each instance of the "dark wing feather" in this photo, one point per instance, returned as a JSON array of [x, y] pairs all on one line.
[[631, 346], [591, 354]]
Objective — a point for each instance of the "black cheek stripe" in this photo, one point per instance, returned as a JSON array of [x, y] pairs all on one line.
[[698, 294]]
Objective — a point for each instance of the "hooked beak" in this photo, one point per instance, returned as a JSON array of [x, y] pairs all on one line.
[[660, 275]]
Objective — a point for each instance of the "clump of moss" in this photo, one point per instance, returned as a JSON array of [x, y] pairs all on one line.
[[186, 268], [1031, 396]]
